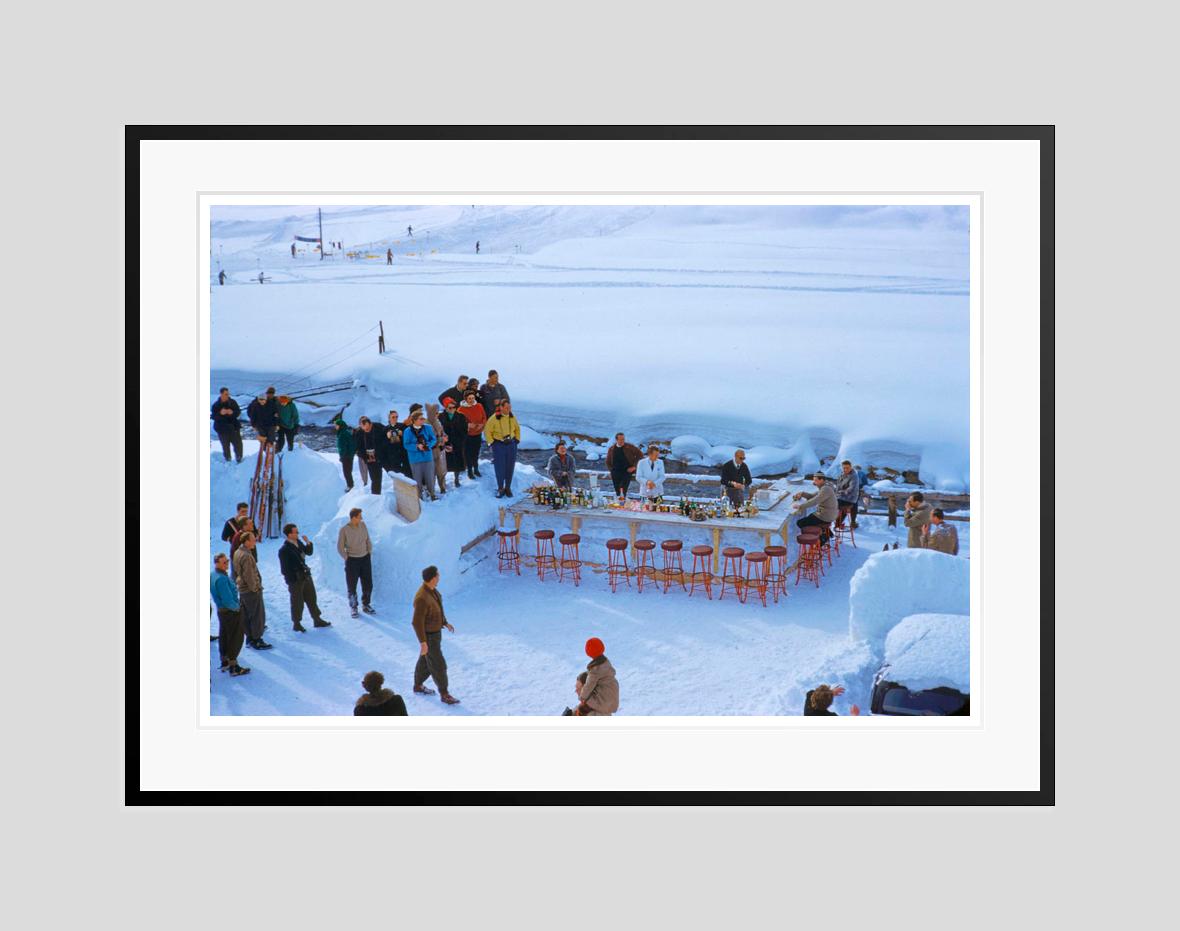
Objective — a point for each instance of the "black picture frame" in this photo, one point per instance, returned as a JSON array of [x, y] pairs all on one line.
[[134, 795]]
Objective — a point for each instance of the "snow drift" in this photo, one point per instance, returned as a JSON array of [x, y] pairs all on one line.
[[895, 584], [925, 651]]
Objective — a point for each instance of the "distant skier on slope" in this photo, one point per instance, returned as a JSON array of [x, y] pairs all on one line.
[[388, 256], [221, 277], [410, 231], [477, 247], [292, 250]]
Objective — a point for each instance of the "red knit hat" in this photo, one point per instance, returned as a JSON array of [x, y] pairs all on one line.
[[594, 648]]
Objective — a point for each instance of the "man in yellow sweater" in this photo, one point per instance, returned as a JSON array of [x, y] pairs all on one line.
[[503, 435]]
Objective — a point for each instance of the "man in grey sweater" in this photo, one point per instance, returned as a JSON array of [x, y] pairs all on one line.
[[848, 490], [356, 549], [823, 499]]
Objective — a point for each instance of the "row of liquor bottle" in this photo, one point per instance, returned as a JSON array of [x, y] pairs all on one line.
[[554, 497]]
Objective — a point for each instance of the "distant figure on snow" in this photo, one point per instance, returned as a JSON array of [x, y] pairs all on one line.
[[292, 250], [388, 256], [221, 277], [410, 231], [477, 247], [378, 701]]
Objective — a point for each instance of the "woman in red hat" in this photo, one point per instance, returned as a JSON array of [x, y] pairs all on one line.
[[599, 694]]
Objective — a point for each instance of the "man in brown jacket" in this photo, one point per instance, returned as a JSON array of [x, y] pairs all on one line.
[[429, 620], [599, 694], [249, 581], [917, 516], [940, 535], [621, 460]]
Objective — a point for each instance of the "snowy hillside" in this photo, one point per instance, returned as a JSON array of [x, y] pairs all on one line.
[[809, 332]]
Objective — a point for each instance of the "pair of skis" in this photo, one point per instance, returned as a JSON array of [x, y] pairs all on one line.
[[267, 493]]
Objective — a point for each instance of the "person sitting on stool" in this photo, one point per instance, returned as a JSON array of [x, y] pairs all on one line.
[[823, 499]]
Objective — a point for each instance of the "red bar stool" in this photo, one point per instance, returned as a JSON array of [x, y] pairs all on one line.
[[672, 563], [825, 542], [841, 530], [810, 563], [756, 564], [570, 559], [645, 563], [546, 557], [813, 536], [701, 555], [731, 570], [776, 570], [507, 554], [616, 562]]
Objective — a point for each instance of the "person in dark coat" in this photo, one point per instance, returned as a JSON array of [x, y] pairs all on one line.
[[370, 449], [263, 413], [493, 393], [736, 479], [428, 622], [221, 277], [378, 701], [395, 452], [455, 392], [561, 467], [224, 414], [454, 425], [621, 460], [476, 420], [819, 701], [234, 524], [292, 562]]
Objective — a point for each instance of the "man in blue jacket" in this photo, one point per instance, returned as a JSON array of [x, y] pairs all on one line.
[[229, 616]]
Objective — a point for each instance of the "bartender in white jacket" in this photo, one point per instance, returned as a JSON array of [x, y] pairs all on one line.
[[650, 474]]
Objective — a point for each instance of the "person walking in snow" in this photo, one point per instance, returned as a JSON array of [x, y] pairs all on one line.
[[249, 581], [818, 701], [356, 549], [473, 412], [847, 492], [264, 416], [561, 467], [419, 441], [736, 478], [454, 426], [503, 435], [221, 277], [234, 524], [297, 574], [388, 256], [598, 695], [428, 621], [292, 250], [370, 450], [622, 459], [410, 231], [224, 414], [650, 473], [229, 616], [377, 700], [288, 414], [941, 535], [477, 247], [823, 499], [395, 450], [493, 393], [917, 518], [345, 447], [455, 392]]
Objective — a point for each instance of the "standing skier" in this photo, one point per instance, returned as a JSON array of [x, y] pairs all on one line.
[[356, 549], [224, 414]]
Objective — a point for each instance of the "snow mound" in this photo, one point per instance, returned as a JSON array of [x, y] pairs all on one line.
[[895, 584], [926, 651]]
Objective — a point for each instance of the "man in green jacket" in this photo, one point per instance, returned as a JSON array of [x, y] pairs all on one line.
[[345, 447], [288, 423]]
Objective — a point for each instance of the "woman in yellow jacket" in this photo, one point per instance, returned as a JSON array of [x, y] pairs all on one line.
[[503, 435]]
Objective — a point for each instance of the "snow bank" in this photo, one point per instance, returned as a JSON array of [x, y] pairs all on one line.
[[895, 584], [925, 651]]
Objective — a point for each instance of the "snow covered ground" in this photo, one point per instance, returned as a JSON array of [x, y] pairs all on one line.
[[806, 333], [518, 642]]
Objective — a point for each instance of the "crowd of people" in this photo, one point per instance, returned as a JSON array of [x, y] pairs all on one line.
[[472, 415]]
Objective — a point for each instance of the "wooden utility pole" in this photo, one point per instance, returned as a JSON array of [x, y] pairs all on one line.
[[320, 214], [381, 338]]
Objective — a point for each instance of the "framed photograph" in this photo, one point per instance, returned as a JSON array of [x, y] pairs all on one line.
[[603, 460]]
